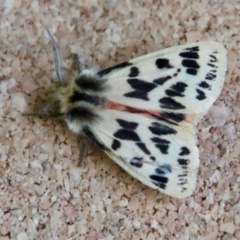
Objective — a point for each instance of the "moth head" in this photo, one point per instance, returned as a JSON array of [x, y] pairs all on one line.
[[76, 101]]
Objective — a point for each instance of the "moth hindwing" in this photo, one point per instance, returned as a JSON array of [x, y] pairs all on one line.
[[142, 112]]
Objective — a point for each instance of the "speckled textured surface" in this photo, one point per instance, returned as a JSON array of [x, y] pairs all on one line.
[[43, 193]]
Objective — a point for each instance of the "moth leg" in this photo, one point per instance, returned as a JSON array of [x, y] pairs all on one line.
[[76, 62], [83, 149]]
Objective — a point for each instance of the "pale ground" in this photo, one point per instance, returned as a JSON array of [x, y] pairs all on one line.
[[43, 193]]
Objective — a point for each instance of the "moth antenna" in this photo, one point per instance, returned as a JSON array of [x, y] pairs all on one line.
[[45, 112], [57, 59], [42, 114]]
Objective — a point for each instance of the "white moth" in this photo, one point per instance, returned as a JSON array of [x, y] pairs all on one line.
[[142, 113]]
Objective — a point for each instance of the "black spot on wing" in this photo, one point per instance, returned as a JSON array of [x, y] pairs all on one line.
[[204, 84], [210, 76], [126, 134], [143, 147], [142, 89], [193, 49], [172, 93], [191, 71], [137, 94], [163, 169], [163, 63], [162, 80], [188, 63], [159, 181], [213, 58], [179, 87], [134, 72], [184, 151], [90, 134], [159, 178], [161, 144], [119, 66], [136, 162], [141, 85], [193, 55], [176, 90], [200, 95], [167, 102], [126, 124], [153, 158], [116, 144], [212, 65], [160, 129], [176, 117], [183, 162]]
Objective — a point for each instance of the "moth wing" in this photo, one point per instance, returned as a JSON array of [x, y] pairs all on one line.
[[163, 156], [185, 79]]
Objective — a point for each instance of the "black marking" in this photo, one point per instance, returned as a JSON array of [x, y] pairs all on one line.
[[161, 185], [159, 181], [160, 140], [162, 80], [80, 113], [143, 147], [134, 72], [214, 59], [193, 49], [191, 71], [161, 144], [163, 63], [163, 169], [176, 117], [193, 55], [136, 162], [182, 175], [172, 93], [175, 74], [119, 66], [176, 90], [183, 162], [138, 95], [142, 88], [153, 158], [201, 95], [190, 64], [184, 151], [163, 148], [91, 99], [210, 76], [212, 65], [204, 84], [160, 129], [116, 144], [126, 134], [167, 102], [141, 85], [126, 124], [179, 87], [90, 134], [178, 70], [182, 182], [94, 83]]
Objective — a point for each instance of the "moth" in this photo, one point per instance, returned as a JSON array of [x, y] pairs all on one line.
[[142, 113]]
